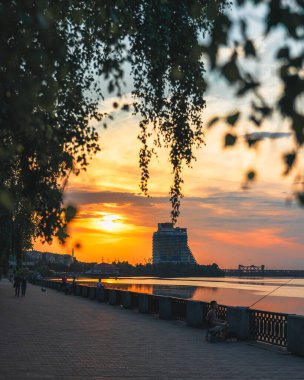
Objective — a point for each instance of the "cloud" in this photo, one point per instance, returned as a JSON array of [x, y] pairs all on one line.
[[228, 228], [238, 211], [257, 238], [110, 198], [267, 135]]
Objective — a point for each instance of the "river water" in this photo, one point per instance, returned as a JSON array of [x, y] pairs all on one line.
[[283, 295]]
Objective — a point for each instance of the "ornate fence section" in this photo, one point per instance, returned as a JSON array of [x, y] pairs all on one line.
[[268, 327], [179, 309], [222, 312]]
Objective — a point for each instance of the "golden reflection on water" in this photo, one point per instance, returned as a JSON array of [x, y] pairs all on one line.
[[231, 291], [287, 295], [147, 289]]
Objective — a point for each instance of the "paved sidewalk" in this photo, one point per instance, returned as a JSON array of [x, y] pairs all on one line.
[[54, 336]]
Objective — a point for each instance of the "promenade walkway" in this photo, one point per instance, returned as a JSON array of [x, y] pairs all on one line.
[[54, 336]]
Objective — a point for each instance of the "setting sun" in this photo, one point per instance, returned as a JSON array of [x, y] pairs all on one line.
[[110, 222]]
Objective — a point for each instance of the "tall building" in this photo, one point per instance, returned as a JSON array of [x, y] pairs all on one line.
[[170, 245]]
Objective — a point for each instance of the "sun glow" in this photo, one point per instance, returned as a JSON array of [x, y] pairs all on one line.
[[110, 222]]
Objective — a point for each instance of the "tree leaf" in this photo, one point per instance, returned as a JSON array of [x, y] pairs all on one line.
[[231, 71], [230, 139], [283, 53], [233, 118], [249, 49], [212, 122], [125, 107], [70, 213], [300, 198], [289, 160], [251, 175]]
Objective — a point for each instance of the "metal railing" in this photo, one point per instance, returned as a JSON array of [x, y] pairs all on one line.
[[179, 309], [264, 326], [222, 312], [268, 327]]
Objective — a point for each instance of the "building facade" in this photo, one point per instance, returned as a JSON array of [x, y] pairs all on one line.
[[49, 257], [170, 245]]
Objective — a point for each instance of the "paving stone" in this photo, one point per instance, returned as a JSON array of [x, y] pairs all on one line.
[[49, 335]]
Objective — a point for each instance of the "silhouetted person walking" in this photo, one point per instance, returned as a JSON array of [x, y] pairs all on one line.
[[17, 284], [23, 285]]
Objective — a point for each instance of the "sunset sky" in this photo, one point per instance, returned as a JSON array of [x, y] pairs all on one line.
[[226, 225]]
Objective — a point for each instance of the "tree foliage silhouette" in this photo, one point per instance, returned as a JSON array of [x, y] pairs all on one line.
[[56, 58], [233, 31]]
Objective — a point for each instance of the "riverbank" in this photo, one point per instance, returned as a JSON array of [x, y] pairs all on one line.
[[275, 294], [51, 335], [280, 329]]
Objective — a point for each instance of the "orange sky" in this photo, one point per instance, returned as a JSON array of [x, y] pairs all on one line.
[[225, 224]]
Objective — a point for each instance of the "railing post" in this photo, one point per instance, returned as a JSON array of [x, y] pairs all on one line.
[[112, 297], [153, 304], [101, 295], [143, 303], [78, 290], [92, 293], [295, 334], [127, 300], [195, 313], [239, 322], [84, 291], [165, 308]]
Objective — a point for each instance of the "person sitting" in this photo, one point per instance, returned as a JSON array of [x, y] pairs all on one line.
[[217, 328]]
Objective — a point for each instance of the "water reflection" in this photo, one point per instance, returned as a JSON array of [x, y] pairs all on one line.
[[161, 290], [174, 291], [230, 297], [147, 289], [287, 295]]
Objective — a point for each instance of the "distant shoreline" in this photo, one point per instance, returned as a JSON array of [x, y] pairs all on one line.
[[287, 273]]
